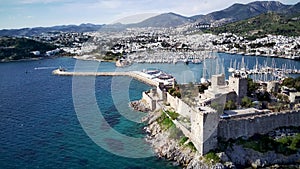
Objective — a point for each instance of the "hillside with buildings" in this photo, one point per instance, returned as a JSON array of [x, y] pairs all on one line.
[[170, 38], [23, 48], [264, 24]]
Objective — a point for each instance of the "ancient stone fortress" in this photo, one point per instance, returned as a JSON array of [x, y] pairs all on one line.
[[235, 90], [204, 124]]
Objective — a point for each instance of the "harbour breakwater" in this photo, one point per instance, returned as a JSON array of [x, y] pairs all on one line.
[[134, 74]]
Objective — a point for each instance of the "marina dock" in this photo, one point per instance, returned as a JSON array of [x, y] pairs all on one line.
[[134, 74]]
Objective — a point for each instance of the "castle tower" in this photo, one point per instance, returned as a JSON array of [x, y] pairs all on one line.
[[217, 80], [204, 129], [239, 85], [273, 86]]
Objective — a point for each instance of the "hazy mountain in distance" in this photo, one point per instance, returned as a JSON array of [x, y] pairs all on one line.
[[236, 12], [40, 30], [163, 20], [293, 9]]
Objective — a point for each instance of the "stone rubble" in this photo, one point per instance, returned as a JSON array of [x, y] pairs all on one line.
[[139, 105], [244, 157]]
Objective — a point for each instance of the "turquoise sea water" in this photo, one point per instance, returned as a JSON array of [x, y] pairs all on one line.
[[39, 127]]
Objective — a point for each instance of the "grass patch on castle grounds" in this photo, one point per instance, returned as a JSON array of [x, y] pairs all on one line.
[[164, 121], [183, 140], [172, 114], [211, 158], [191, 146], [287, 145]]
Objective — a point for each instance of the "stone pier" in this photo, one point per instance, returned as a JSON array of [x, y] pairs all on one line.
[[134, 74]]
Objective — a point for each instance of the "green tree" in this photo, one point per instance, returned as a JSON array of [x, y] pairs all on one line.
[[174, 92], [202, 87], [246, 102], [297, 84], [230, 105], [289, 82], [283, 98], [292, 83], [252, 86], [21, 48], [264, 96]]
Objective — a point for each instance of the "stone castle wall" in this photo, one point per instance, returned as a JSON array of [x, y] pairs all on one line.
[[184, 130], [179, 106], [151, 102], [206, 125], [262, 124]]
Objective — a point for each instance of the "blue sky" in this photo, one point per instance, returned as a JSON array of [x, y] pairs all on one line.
[[34, 13]]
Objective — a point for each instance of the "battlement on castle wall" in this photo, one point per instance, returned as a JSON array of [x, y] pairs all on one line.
[[260, 124]]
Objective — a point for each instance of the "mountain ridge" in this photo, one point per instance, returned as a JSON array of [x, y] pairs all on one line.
[[59, 28], [233, 13], [169, 19], [239, 11], [261, 25]]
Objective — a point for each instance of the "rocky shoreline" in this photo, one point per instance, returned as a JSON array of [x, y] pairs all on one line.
[[235, 156], [168, 148]]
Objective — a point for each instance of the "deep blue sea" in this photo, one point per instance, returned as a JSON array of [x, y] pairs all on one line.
[[49, 121], [39, 127]]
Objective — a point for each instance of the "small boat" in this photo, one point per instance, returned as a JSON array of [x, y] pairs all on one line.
[[186, 61], [231, 69], [62, 69]]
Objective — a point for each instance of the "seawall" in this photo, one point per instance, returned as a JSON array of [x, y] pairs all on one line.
[[134, 74]]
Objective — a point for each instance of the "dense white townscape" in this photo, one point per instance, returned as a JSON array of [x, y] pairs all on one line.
[[271, 45], [168, 45]]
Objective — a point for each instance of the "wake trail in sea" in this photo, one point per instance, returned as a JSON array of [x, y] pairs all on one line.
[[43, 68]]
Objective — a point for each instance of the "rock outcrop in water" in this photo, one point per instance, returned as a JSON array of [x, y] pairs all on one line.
[[139, 105]]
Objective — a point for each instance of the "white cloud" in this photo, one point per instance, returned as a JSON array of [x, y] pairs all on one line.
[[134, 18], [110, 4], [39, 1]]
